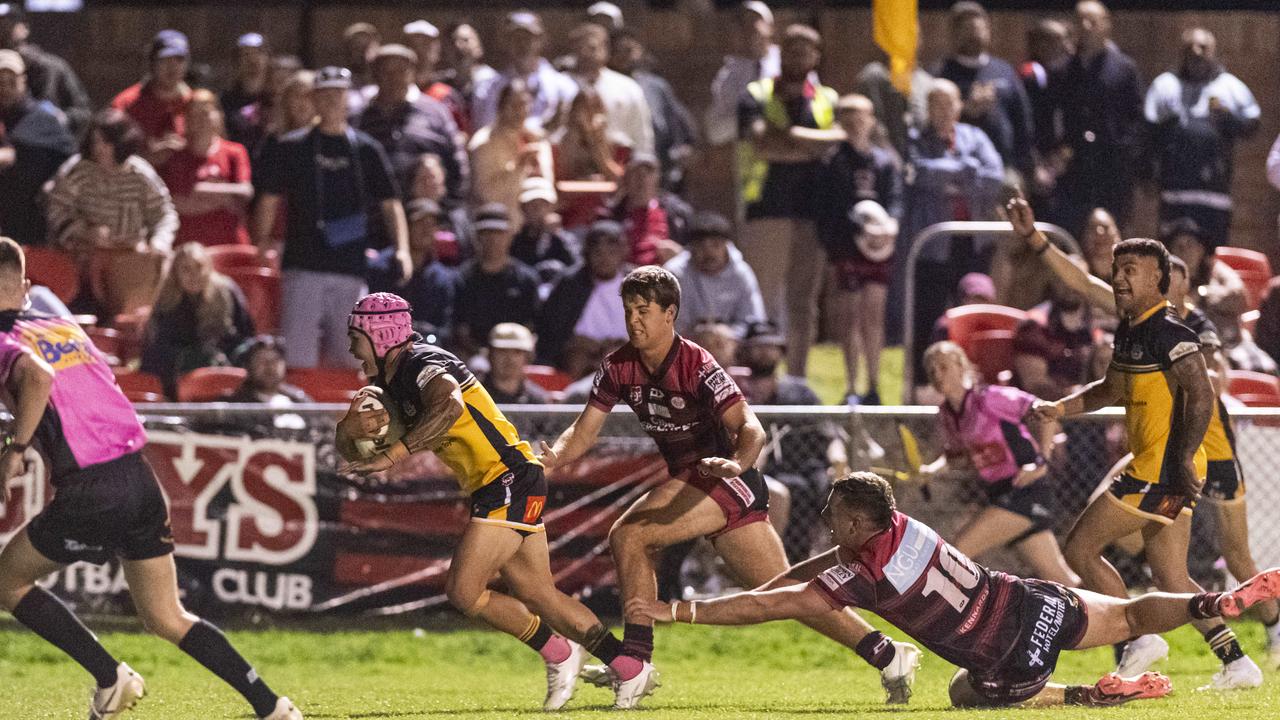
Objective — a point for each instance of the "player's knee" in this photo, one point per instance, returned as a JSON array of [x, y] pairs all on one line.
[[628, 536], [468, 601], [171, 625], [12, 594]]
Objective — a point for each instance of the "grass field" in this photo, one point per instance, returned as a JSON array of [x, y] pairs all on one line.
[[826, 375], [776, 671]]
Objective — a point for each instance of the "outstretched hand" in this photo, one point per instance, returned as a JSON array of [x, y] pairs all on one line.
[[1021, 217], [548, 456], [644, 608], [720, 467]]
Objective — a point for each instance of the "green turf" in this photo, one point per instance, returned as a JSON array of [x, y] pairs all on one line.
[[775, 671], [826, 375]]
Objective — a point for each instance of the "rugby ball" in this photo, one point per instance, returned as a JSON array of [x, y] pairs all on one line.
[[369, 400]]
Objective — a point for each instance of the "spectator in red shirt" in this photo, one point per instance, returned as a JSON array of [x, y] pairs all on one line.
[[158, 102], [638, 207], [209, 179]]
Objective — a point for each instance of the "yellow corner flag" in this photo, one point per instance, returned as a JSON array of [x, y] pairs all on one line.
[[896, 29]]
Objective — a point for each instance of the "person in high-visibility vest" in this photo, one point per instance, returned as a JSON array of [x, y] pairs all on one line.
[[787, 123]]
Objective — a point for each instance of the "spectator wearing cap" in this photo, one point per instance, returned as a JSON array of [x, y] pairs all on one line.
[[34, 142], [788, 123], [507, 151], [674, 131], [109, 202], [209, 179], [510, 352], [423, 38], [583, 315], [340, 199], [953, 172], [409, 124], [803, 453], [716, 284], [542, 243], [994, 97], [262, 358], [524, 39], [495, 287], [360, 43], [253, 72], [625, 108], [465, 69], [49, 77], [433, 286], [858, 200], [158, 103], [1098, 98], [754, 57], [1197, 113], [606, 15], [1215, 286], [647, 214], [285, 105]]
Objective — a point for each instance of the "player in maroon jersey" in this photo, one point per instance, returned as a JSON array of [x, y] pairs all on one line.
[[710, 440], [1004, 632]]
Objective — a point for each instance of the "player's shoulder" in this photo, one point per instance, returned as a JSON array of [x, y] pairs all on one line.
[[422, 357], [621, 359], [693, 357]]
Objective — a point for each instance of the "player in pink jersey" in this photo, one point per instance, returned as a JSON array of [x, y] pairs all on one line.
[[710, 440], [107, 503], [1004, 632], [984, 434]]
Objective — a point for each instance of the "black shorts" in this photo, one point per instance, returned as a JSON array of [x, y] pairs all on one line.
[[1154, 501], [1035, 502], [1224, 482], [515, 499], [1053, 619], [111, 509]]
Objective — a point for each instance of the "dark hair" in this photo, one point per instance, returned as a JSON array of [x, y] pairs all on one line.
[[243, 354], [966, 9], [513, 85], [653, 284], [118, 130], [11, 256], [802, 32], [1146, 247], [600, 231], [867, 493], [707, 224], [586, 29]]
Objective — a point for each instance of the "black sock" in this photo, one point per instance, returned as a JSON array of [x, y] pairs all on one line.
[[604, 645], [210, 648], [637, 641], [1203, 606], [1224, 644], [537, 634], [1118, 650], [877, 649], [49, 618]]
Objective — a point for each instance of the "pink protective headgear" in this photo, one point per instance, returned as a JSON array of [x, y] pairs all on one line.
[[383, 318]]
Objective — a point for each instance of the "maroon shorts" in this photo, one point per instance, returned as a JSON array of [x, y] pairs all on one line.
[[743, 499], [853, 273]]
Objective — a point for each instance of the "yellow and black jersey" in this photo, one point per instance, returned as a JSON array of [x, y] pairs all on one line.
[[1145, 350], [482, 445], [1219, 439]]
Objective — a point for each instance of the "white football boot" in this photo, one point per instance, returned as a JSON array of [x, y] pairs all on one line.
[[627, 694], [1140, 654], [1239, 674], [900, 674], [285, 710], [598, 675], [111, 702], [562, 677]]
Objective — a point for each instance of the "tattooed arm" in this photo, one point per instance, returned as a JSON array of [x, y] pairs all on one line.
[[442, 406]]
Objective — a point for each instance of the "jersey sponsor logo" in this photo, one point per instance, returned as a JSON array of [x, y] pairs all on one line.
[[677, 402], [533, 508], [1210, 338], [912, 557], [717, 379], [835, 576], [429, 373], [595, 382], [1182, 350], [656, 394], [637, 394], [1045, 631], [62, 346], [740, 489], [659, 410], [658, 426]]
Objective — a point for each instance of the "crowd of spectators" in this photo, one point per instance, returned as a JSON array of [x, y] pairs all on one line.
[[507, 201]]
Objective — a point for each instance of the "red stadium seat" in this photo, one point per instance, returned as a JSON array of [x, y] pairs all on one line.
[[261, 287], [327, 385], [140, 386], [209, 384], [133, 329], [1255, 287], [226, 257], [55, 270], [992, 352], [1241, 259], [547, 377], [965, 321], [107, 340], [1258, 387]]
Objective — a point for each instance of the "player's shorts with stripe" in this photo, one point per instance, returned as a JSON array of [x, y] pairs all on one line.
[[1035, 502], [1053, 619], [106, 510], [743, 499], [1154, 501], [1224, 482], [514, 499]]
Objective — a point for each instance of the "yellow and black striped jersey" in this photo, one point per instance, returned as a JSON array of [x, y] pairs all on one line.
[[1144, 351], [1219, 439], [482, 444]]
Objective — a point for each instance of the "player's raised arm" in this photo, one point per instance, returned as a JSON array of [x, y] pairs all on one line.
[[575, 440], [745, 608], [740, 420], [1098, 293]]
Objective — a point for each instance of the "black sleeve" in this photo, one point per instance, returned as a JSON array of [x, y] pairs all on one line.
[[270, 175], [1173, 342], [379, 181]]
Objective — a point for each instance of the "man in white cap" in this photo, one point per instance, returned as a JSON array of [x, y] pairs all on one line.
[[510, 350], [524, 38], [755, 56], [49, 77], [33, 145], [606, 15], [542, 243], [626, 109]]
